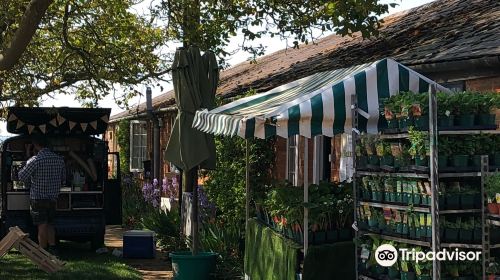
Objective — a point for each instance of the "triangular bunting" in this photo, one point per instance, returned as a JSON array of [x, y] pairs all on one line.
[[12, 117], [84, 126], [42, 128], [60, 119], [71, 125], [53, 122], [105, 118], [93, 124], [30, 128], [19, 124]]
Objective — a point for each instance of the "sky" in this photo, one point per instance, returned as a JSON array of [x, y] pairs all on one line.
[[272, 44]]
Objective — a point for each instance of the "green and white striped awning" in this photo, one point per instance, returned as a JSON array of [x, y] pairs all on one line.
[[316, 105]]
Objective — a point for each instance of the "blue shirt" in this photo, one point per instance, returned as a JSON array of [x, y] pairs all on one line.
[[46, 172]]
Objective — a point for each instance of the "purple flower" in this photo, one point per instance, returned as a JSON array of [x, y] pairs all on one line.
[[151, 193]]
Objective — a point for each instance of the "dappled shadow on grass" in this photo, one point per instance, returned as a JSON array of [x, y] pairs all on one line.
[[81, 263]]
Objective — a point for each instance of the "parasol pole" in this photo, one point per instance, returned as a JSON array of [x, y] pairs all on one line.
[[306, 195]]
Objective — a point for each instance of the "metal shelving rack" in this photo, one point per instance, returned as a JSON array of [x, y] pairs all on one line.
[[433, 176]]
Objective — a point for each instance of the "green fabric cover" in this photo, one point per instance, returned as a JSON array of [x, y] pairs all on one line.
[[269, 256], [330, 262]]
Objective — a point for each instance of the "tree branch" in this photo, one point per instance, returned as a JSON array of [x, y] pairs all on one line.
[[27, 28]]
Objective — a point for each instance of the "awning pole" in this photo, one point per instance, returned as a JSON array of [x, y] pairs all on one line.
[[316, 159], [306, 195], [247, 182]]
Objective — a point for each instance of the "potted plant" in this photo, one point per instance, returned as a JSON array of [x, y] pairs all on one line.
[[383, 150], [477, 230], [444, 110], [365, 188], [467, 196], [451, 233], [377, 189], [464, 108], [344, 208], [486, 105], [368, 142], [361, 158], [419, 149], [462, 149], [492, 270], [444, 151], [420, 111], [406, 274], [390, 190], [492, 189], [466, 230], [406, 101], [390, 109], [484, 145], [453, 195], [428, 226], [373, 219]]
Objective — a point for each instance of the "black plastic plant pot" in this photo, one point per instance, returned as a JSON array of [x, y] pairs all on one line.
[[466, 120], [419, 161], [380, 196], [476, 161], [361, 163], [486, 119], [393, 273], [442, 161], [460, 160], [412, 233], [387, 160], [422, 123], [423, 277], [333, 235], [451, 235], [426, 200], [374, 196], [366, 194], [373, 224], [428, 232], [399, 228], [373, 160], [378, 270], [465, 235], [477, 201], [406, 198], [467, 201], [410, 275], [363, 225], [345, 234], [477, 235], [405, 231], [319, 237], [391, 124], [398, 197], [453, 201], [445, 121], [441, 201], [392, 197], [416, 199], [496, 158], [494, 235], [403, 123]]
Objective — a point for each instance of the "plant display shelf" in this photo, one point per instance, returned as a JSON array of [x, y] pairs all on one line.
[[395, 206], [443, 132], [396, 239], [417, 175], [433, 174]]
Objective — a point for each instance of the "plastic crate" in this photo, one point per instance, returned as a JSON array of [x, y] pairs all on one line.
[[139, 244]]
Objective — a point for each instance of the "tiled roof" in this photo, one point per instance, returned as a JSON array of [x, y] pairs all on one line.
[[441, 31]]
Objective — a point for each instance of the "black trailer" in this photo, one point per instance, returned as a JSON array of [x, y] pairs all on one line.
[[91, 197]]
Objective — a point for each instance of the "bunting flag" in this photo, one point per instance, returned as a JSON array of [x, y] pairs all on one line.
[[30, 128], [53, 122], [42, 128], [19, 124], [60, 119], [105, 118], [93, 124], [84, 126], [71, 125], [12, 118]]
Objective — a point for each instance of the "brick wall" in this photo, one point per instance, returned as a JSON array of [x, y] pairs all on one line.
[[484, 84]]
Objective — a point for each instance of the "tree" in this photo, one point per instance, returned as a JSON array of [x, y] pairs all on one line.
[[211, 24], [87, 48]]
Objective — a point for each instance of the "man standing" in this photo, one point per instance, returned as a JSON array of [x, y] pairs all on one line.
[[46, 174]]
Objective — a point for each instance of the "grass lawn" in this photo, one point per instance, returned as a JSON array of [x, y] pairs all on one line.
[[81, 264]]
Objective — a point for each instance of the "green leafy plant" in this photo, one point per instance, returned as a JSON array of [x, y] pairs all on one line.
[[419, 143], [492, 187], [123, 139]]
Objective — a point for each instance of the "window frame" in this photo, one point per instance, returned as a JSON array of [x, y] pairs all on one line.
[[295, 172], [131, 144]]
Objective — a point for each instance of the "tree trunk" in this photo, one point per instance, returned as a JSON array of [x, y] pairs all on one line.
[[27, 28]]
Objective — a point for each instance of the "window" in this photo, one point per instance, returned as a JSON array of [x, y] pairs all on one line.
[[292, 159], [138, 145]]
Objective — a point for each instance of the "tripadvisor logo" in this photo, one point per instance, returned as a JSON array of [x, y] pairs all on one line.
[[386, 255]]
